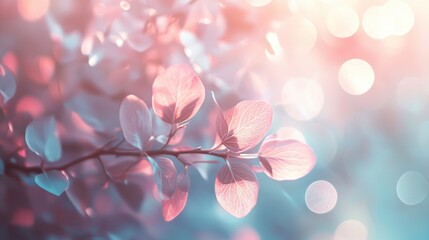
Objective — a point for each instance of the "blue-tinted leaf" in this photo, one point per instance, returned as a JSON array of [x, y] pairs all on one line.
[[135, 121], [42, 139], [54, 181], [1, 167], [96, 111], [7, 84], [165, 175]]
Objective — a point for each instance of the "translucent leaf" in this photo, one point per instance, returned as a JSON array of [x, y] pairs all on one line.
[[165, 175], [178, 94], [54, 181], [7, 84], [286, 159], [96, 111], [42, 139], [135, 121], [248, 122], [173, 206], [236, 188], [221, 124]]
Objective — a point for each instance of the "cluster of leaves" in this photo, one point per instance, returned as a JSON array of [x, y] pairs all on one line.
[[178, 94]]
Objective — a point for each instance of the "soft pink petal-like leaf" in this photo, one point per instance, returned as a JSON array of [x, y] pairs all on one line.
[[221, 124], [172, 207], [286, 159], [165, 175], [178, 93], [236, 188], [135, 121], [248, 122]]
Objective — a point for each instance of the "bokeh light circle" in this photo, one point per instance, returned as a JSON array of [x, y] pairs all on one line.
[[377, 22], [412, 188], [356, 76], [290, 133], [32, 10], [258, 3], [297, 35], [321, 197], [302, 98], [342, 21], [351, 230], [403, 16]]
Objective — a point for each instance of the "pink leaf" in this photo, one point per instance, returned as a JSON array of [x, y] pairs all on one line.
[[236, 188], [221, 124], [135, 121], [165, 175], [172, 207], [178, 93], [286, 159], [248, 122]]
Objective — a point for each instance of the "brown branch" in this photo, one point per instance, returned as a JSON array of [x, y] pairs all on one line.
[[120, 153]]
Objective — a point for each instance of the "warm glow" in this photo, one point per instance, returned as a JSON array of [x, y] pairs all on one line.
[[297, 35], [377, 22], [403, 16], [302, 98], [258, 3], [342, 21], [32, 10], [351, 230], [356, 76]]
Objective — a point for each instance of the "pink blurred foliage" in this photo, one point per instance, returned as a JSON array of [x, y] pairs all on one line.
[[118, 94]]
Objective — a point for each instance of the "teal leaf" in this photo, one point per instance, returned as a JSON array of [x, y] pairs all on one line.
[[54, 181], [7, 84], [42, 139]]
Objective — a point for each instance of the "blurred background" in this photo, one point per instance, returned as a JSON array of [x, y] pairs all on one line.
[[348, 77]]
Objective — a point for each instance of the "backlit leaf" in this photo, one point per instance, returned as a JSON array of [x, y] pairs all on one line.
[[248, 122], [7, 84], [286, 159], [173, 206], [236, 188], [54, 181], [178, 94], [41, 137], [221, 124], [135, 121], [165, 175]]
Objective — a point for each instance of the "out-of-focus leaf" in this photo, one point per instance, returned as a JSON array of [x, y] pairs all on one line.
[[131, 193], [7, 84], [165, 175], [96, 111], [1, 167], [286, 159], [178, 94], [41, 137], [173, 206], [54, 181], [247, 122], [135, 121], [236, 188], [79, 194]]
